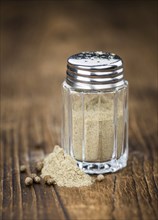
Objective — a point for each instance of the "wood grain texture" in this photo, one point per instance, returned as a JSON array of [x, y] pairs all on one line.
[[36, 39]]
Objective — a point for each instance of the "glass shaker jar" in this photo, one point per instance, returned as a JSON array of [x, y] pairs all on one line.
[[95, 112]]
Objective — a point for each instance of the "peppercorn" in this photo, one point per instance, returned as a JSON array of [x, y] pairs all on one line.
[[100, 177], [37, 179], [49, 180], [28, 181], [46, 178], [39, 166], [22, 168]]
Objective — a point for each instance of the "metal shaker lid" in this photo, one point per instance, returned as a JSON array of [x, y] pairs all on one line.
[[95, 70]]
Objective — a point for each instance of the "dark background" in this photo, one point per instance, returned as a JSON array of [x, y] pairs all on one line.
[[38, 36], [36, 39]]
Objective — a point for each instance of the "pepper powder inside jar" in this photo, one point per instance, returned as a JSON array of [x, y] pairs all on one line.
[[95, 112]]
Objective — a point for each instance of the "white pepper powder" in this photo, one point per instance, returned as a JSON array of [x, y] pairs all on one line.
[[98, 126], [63, 170]]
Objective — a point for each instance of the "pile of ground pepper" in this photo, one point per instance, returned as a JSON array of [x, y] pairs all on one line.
[[62, 168]]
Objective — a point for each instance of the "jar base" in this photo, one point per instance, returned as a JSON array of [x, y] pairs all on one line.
[[104, 167]]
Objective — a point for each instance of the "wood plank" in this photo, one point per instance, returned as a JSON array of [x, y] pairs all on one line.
[[50, 142], [17, 199], [140, 184], [1, 174], [136, 169], [7, 176], [47, 200], [34, 52], [142, 169], [29, 201], [125, 198], [79, 210]]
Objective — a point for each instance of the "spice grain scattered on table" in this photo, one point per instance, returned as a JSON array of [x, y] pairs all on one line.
[[100, 177], [37, 179], [61, 169], [39, 166], [22, 168], [28, 181]]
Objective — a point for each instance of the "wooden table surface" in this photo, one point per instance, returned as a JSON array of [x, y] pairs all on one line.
[[36, 39]]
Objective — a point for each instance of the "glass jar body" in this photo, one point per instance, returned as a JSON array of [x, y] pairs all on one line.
[[95, 127]]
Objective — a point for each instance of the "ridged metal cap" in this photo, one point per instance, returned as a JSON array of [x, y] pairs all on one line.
[[94, 70]]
